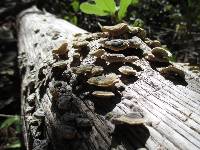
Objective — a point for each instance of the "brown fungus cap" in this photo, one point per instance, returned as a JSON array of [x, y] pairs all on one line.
[[119, 58], [97, 52], [103, 94], [172, 71], [88, 69], [116, 30], [160, 52], [104, 80], [130, 119], [61, 49], [127, 70], [116, 44]]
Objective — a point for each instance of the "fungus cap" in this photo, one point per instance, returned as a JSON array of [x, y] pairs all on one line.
[[103, 94], [127, 70], [104, 80]]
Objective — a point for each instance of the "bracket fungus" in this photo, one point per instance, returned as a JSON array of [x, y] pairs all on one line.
[[116, 44], [113, 57], [121, 44], [116, 30], [104, 81], [127, 70], [97, 52], [103, 94], [172, 71], [133, 43], [152, 43], [131, 59], [141, 33], [130, 119], [61, 50], [158, 54], [123, 29], [97, 70], [60, 64], [88, 69], [119, 58]]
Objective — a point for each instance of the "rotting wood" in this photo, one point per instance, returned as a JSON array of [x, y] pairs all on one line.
[[60, 112]]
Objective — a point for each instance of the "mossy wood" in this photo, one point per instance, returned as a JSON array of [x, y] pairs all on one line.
[[102, 90]]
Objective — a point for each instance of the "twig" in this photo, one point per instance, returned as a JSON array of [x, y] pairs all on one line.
[[3, 115]]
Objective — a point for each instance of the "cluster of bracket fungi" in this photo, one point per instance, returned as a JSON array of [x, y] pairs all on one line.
[[92, 55]]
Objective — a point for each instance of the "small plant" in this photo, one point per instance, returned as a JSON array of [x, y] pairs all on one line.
[[123, 8], [107, 8], [12, 123], [138, 23], [75, 5], [72, 14]]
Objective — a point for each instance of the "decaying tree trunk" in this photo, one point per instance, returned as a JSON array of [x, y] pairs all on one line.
[[91, 92]]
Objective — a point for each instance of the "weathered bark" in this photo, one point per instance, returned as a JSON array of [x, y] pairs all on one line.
[[58, 112]]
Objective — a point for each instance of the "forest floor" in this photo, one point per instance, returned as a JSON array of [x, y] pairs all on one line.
[[185, 50]]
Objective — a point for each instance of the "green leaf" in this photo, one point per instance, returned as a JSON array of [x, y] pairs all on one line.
[[135, 2], [100, 8], [74, 20], [75, 5], [107, 5], [189, 3], [92, 9], [14, 145], [123, 8], [10, 121]]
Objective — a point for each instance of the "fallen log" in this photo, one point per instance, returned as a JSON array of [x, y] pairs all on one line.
[[102, 90]]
